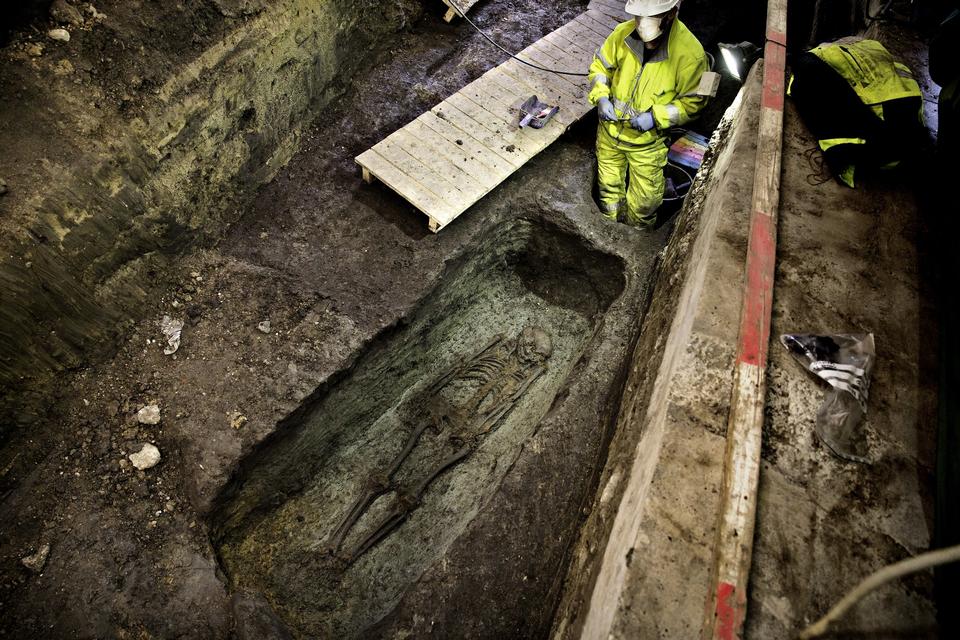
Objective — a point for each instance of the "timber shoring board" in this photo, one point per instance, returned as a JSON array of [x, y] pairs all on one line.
[[450, 157], [463, 5]]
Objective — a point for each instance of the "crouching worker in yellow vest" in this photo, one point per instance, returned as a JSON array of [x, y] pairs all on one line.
[[644, 80]]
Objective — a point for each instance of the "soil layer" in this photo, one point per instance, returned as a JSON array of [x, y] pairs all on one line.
[[334, 266]]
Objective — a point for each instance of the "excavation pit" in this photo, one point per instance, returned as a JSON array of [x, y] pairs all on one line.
[[448, 400]]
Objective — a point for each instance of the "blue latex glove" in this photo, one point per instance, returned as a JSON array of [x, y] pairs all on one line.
[[643, 122], [605, 110]]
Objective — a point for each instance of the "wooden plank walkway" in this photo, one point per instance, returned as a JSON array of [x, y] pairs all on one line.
[[453, 155], [613, 8]]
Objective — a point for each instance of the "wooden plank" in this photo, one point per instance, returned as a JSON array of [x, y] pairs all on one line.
[[432, 157], [612, 8], [570, 107], [604, 18], [566, 62], [468, 115], [550, 81], [727, 609], [606, 5], [550, 57], [488, 168], [545, 85], [572, 89], [448, 111], [566, 115], [587, 22], [390, 149], [564, 38], [588, 36], [463, 5], [575, 56], [507, 102], [495, 110], [501, 113], [506, 139], [416, 194]]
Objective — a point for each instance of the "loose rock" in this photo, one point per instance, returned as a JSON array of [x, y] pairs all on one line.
[[3, 187], [59, 34], [63, 68], [264, 326], [149, 414], [65, 13], [37, 561], [237, 420], [146, 458], [34, 49]]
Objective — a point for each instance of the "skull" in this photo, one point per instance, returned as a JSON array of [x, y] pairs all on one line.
[[534, 345]]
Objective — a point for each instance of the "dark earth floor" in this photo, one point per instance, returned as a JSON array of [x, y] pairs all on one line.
[[339, 269], [332, 264]]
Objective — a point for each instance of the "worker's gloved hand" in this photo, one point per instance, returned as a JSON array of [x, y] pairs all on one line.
[[605, 110], [643, 122]]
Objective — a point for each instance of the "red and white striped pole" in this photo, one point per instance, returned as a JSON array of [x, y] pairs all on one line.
[[728, 606]]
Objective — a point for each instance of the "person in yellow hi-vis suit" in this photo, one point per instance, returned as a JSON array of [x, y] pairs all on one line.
[[644, 80]]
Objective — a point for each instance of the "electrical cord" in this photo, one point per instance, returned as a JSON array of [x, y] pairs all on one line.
[[688, 184], [821, 173], [878, 579], [520, 60]]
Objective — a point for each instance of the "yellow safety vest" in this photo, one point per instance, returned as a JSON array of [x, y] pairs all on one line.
[[663, 81]]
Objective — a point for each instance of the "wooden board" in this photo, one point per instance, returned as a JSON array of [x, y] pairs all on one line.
[[450, 157], [463, 5], [613, 8], [727, 609]]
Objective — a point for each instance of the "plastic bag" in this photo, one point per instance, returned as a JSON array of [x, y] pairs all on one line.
[[845, 362], [535, 113]]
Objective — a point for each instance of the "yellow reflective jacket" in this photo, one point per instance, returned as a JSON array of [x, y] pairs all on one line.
[[663, 81], [873, 73], [875, 76]]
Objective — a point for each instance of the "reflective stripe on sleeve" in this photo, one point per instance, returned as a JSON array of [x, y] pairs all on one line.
[[603, 59], [673, 113], [600, 79], [833, 142]]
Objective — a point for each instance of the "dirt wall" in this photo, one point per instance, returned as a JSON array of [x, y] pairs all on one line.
[[146, 130]]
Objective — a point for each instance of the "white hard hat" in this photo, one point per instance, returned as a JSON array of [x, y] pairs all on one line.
[[645, 8]]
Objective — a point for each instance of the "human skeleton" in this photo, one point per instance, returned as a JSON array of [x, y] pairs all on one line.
[[466, 403]]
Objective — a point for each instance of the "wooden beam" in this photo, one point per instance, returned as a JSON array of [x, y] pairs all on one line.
[[727, 608]]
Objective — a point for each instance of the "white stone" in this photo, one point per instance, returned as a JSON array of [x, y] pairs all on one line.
[[59, 34], [147, 457], [149, 414], [264, 326]]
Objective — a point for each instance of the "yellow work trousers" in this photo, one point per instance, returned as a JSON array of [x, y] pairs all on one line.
[[641, 193]]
